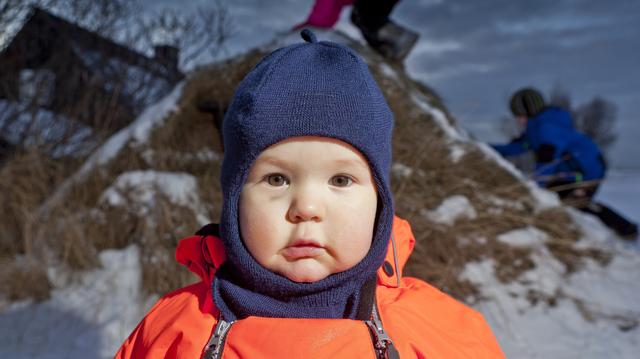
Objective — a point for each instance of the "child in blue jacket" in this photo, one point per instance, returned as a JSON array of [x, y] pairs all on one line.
[[563, 155], [567, 160]]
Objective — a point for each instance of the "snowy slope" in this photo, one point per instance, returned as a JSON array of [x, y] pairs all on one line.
[[597, 315]]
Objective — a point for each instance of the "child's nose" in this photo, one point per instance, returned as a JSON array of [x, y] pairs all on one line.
[[306, 206]]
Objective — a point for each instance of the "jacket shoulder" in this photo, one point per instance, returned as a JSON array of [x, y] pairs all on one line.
[[178, 326], [423, 320]]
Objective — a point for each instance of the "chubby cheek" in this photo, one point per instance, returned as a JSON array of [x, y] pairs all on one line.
[[356, 233], [259, 227]]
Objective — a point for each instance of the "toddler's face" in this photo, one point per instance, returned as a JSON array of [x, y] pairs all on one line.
[[308, 208]]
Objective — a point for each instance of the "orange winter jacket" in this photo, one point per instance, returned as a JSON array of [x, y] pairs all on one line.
[[422, 321]]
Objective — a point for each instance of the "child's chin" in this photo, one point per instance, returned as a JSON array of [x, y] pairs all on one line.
[[304, 280], [305, 276]]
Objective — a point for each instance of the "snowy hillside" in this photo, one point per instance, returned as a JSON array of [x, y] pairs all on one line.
[[551, 281]]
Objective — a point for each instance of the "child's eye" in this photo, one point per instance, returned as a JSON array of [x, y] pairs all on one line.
[[277, 180], [341, 181]]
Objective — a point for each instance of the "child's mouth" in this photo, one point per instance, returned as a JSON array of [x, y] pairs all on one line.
[[302, 249]]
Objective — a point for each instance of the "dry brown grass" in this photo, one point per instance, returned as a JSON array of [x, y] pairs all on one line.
[[25, 181], [24, 278], [160, 271]]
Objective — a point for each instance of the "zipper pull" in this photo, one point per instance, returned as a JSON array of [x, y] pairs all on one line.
[[383, 344], [382, 339], [213, 350]]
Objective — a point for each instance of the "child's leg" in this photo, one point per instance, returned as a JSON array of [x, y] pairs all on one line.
[[370, 16], [613, 220]]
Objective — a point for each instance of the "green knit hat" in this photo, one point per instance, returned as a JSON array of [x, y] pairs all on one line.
[[527, 102]]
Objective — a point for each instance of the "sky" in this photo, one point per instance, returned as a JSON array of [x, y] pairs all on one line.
[[476, 53]]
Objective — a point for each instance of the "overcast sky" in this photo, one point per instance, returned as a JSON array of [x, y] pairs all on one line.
[[475, 53]]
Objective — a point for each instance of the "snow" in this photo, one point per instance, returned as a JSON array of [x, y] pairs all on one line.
[[86, 319], [524, 237], [26, 124], [13, 20], [543, 199], [143, 187], [140, 185], [401, 170], [503, 203], [497, 158], [388, 71], [204, 155], [438, 116], [608, 294], [450, 210], [456, 153]]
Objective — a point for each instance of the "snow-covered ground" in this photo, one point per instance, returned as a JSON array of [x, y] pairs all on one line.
[[595, 313], [87, 319]]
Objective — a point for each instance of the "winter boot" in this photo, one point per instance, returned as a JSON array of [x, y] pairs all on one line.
[[397, 41], [391, 40]]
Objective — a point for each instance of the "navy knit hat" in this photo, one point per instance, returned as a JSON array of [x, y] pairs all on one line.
[[306, 89], [527, 102]]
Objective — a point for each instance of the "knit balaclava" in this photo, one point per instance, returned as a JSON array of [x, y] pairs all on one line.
[[306, 89]]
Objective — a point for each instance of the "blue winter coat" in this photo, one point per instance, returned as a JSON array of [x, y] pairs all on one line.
[[562, 153]]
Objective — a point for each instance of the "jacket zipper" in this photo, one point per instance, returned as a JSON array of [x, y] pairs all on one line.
[[382, 342], [214, 348]]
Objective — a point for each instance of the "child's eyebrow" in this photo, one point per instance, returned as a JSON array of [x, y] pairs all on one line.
[[352, 162], [345, 162], [273, 161]]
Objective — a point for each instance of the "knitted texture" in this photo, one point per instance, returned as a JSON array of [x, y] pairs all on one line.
[[307, 89]]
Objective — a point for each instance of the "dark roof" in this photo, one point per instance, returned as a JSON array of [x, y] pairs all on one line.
[[84, 41]]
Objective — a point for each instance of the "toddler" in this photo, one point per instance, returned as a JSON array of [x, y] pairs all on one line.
[[307, 262]]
